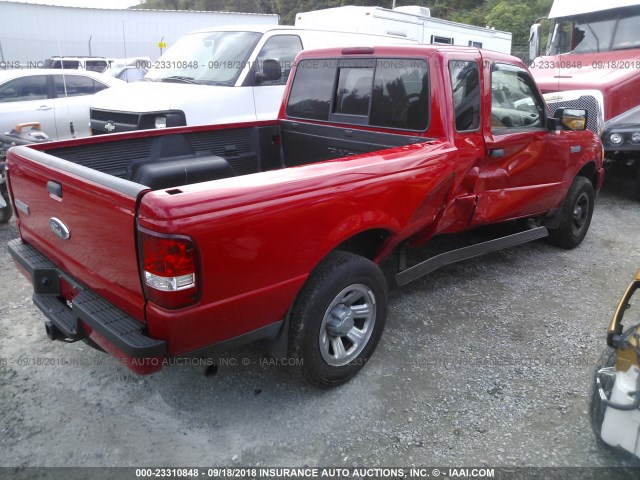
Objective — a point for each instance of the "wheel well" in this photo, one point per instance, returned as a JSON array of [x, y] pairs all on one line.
[[367, 244], [590, 173]]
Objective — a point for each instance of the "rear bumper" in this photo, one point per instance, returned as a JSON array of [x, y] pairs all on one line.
[[89, 315]]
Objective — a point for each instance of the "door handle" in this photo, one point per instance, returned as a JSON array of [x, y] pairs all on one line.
[[498, 152], [54, 188], [45, 107]]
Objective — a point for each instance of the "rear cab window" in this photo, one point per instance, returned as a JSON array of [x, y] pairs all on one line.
[[384, 92]]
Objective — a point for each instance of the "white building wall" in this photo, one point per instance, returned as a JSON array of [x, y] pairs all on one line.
[[31, 33]]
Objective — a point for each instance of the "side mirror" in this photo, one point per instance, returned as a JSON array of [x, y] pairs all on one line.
[[534, 41], [271, 71], [572, 118]]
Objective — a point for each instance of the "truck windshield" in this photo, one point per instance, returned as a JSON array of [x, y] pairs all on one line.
[[210, 58], [595, 32]]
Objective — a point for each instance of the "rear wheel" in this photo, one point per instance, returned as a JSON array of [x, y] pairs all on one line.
[[575, 215], [338, 318]]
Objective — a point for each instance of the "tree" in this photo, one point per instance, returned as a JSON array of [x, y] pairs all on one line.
[[515, 17]]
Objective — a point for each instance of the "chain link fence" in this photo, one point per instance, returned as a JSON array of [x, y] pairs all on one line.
[[522, 52]]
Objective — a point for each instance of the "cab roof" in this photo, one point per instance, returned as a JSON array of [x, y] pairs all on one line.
[[407, 51]]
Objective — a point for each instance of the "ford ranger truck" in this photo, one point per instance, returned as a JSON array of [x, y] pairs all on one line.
[[185, 241]]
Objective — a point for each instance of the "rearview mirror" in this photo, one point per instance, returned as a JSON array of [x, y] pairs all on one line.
[[271, 71], [572, 118], [534, 41]]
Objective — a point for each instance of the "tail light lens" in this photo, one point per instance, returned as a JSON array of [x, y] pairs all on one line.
[[169, 265]]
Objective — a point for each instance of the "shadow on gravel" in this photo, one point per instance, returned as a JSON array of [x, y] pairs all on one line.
[[619, 188]]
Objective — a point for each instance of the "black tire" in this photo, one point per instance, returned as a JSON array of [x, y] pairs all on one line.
[[323, 322], [596, 407], [637, 185], [575, 215], [5, 212]]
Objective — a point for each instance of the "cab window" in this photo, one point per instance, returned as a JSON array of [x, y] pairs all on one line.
[[310, 96], [465, 85], [400, 94], [391, 93], [353, 93]]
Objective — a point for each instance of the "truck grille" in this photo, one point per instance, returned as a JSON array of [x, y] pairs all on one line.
[[117, 117]]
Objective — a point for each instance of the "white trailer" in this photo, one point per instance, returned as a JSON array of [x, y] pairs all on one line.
[[410, 22]]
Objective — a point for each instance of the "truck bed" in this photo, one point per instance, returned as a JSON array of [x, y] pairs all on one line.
[[197, 155]]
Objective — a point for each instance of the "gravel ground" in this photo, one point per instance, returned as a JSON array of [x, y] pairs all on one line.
[[487, 362]]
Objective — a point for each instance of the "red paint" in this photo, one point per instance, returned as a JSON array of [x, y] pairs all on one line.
[[141, 366], [614, 73], [101, 251]]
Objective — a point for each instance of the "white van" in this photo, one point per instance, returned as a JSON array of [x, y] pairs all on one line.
[[217, 75]]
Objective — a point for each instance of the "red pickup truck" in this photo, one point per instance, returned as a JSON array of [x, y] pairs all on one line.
[[186, 241]]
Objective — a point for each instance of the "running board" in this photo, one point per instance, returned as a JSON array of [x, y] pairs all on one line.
[[428, 266]]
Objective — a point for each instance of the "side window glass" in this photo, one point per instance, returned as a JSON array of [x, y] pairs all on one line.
[[76, 86], [24, 89], [465, 84], [101, 86], [96, 65], [514, 104], [69, 64], [310, 95], [401, 94], [284, 49]]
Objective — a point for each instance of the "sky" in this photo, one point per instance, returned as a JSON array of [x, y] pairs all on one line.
[[85, 3]]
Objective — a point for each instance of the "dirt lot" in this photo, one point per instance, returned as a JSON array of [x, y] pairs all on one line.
[[488, 362]]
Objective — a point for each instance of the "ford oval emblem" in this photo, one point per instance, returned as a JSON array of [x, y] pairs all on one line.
[[59, 228]]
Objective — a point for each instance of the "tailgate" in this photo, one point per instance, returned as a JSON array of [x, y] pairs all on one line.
[[82, 220]]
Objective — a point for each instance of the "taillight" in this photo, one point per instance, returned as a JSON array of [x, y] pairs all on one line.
[[169, 265]]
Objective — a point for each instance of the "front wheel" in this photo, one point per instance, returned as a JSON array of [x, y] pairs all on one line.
[[575, 215], [338, 318]]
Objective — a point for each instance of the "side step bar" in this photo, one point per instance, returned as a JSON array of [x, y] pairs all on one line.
[[428, 266]]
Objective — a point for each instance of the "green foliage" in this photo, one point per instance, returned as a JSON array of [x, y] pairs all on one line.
[[515, 17], [512, 16]]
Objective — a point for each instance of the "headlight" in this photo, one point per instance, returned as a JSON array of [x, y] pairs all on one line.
[[635, 138], [615, 139], [161, 122]]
